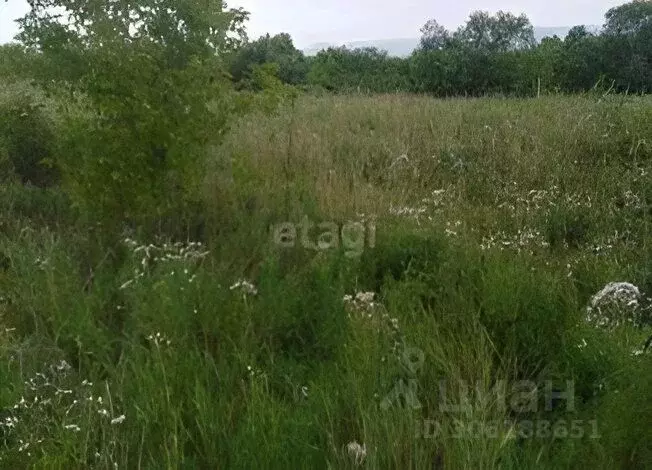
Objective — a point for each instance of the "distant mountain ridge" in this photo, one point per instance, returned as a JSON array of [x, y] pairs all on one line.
[[403, 47]]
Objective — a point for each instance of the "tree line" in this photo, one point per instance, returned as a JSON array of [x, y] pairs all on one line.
[[488, 55]]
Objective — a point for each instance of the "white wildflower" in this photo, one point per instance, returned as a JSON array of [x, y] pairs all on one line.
[[357, 452], [246, 286], [615, 303], [118, 420]]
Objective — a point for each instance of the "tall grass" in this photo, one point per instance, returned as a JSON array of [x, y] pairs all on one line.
[[496, 221]]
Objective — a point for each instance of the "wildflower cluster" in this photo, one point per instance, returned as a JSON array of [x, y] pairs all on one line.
[[246, 287], [607, 243], [526, 238], [452, 229], [437, 199], [414, 212], [159, 340], [364, 308], [628, 200], [151, 255], [541, 200], [357, 452], [534, 200], [434, 203], [616, 304], [54, 404]]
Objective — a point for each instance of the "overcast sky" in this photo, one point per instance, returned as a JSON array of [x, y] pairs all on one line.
[[337, 21]]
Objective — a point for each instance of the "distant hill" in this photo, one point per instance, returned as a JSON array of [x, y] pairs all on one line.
[[403, 47]]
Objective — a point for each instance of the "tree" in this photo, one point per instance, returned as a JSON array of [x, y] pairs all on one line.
[[500, 33], [547, 58], [14, 60], [628, 45], [630, 18], [434, 36], [581, 63], [365, 69], [148, 81], [279, 49], [577, 33]]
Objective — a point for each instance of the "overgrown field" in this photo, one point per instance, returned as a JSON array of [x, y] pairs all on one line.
[[487, 226]]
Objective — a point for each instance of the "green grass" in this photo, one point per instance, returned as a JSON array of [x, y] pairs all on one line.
[[493, 231]]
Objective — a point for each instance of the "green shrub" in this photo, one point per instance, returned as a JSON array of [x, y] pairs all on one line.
[[27, 136]]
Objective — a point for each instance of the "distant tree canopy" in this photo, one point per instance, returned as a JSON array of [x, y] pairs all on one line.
[[434, 36], [503, 32], [488, 54], [359, 69], [499, 54], [629, 19], [626, 48], [279, 49]]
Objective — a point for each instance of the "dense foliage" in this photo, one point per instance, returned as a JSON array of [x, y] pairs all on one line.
[[145, 95], [490, 54], [151, 317]]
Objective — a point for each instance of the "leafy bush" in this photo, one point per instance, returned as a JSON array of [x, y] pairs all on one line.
[[145, 100], [27, 136]]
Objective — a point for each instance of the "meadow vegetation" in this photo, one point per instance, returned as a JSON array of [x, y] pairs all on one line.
[[497, 220], [148, 319]]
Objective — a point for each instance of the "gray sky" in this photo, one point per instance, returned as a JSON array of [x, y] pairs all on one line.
[[337, 21]]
